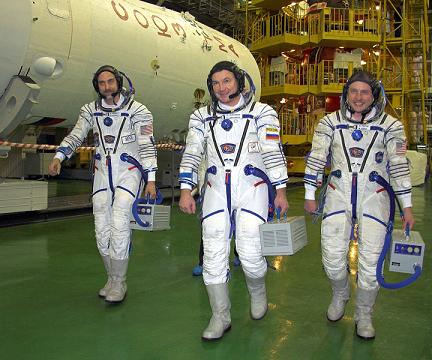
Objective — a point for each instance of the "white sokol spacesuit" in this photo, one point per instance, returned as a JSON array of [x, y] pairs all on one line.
[[234, 135], [234, 203], [128, 129], [116, 183], [352, 199]]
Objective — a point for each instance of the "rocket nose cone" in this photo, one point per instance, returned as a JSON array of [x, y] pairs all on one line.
[[15, 29]]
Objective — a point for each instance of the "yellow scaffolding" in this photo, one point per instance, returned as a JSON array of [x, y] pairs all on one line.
[[403, 63], [394, 39]]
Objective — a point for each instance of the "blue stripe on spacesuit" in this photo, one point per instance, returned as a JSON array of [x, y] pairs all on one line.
[[233, 224], [354, 184], [247, 116], [65, 150], [310, 183], [228, 189], [185, 175], [202, 132], [376, 219], [110, 178], [211, 214], [119, 135], [333, 213], [98, 191], [345, 151], [100, 135], [342, 126], [191, 183], [310, 177], [354, 195], [215, 142], [253, 213], [280, 182], [368, 151], [402, 192], [127, 190], [240, 147], [186, 178]]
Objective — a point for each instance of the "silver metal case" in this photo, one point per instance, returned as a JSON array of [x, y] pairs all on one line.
[[406, 252], [157, 215], [283, 237]]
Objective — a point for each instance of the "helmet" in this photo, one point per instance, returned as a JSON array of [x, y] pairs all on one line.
[[366, 77], [128, 94], [112, 70], [377, 92], [230, 66]]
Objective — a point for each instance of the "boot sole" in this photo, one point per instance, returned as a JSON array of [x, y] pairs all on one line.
[[262, 317], [336, 319], [220, 337], [367, 338], [115, 301]]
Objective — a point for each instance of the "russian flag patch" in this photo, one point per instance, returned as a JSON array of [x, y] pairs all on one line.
[[272, 133]]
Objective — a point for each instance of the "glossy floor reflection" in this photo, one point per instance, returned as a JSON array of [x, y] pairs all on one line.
[[51, 272]]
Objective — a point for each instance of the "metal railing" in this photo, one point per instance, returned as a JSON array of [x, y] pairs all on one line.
[[349, 21]]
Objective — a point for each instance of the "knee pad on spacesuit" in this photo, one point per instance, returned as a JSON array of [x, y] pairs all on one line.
[[121, 207], [102, 217], [248, 245], [215, 232], [334, 245], [371, 241], [121, 225]]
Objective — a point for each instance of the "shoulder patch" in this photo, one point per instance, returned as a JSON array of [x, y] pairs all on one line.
[[272, 133]]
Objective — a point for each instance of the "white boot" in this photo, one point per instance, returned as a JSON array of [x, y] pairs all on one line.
[[107, 263], [363, 315], [220, 321], [341, 294], [118, 289], [258, 297]]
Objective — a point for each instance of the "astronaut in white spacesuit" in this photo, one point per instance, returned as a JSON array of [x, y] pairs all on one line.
[[359, 138], [235, 131], [120, 125]]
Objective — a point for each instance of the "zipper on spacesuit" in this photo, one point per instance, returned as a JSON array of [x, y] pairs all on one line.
[[228, 189], [354, 223], [228, 195], [110, 179]]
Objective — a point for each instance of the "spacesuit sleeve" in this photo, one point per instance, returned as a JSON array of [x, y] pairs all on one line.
[[268, 130], [396, 145], [75, 138], [317, 159], [194, 151], [143, 124]]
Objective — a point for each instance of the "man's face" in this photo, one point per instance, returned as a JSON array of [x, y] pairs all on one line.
[[107, 84], [225, 84], [360, 96]]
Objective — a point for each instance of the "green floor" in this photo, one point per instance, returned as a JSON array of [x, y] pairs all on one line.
[[50, 274]]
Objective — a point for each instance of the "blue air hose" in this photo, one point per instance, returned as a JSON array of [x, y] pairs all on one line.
[[252, 170], [159, 198], [388, 238]]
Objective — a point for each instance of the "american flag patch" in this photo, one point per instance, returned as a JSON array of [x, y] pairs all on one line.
[[272, 134], [147, 129], [401, 147]]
